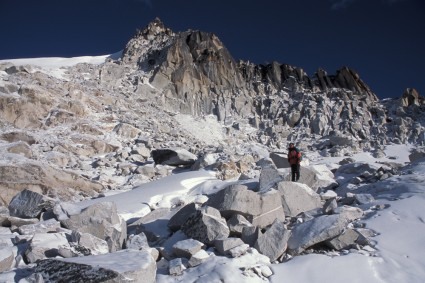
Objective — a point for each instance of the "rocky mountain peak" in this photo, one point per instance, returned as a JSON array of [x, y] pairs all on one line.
[[154, 36]]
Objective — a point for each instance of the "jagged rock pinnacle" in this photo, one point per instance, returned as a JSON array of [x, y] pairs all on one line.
[[154, 36]]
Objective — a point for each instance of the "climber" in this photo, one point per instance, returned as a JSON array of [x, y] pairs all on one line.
[[294, 158]]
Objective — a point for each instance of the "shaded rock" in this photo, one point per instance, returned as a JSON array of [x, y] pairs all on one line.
[[187, 248], [280, 159], [173, 157], [317, 230], [329, 206], [250, 235], [269, 177], [26, 204], [47, 226], [416, 154], [344, 241], [273, 242], [225, 245], [206, 226], [100, 268], [100, 220], [236, 224], [167, 247], [364, 198], [297, 198], [236, 199], [181, 216]]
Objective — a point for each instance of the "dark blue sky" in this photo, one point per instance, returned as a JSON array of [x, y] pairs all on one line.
[[383, 40]]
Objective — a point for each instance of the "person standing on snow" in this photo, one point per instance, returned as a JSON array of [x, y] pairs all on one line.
[[294, 158]]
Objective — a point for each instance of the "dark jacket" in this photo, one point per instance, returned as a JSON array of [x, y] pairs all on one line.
[[294, 156]]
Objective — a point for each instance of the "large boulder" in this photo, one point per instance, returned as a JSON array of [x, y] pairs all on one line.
[[297, 198], [100, 220], [100, 268], [270, 210], [314, 231], [173, 157], [273, 242], [307, 177], [206, 226], [26, 204], [236, 199]]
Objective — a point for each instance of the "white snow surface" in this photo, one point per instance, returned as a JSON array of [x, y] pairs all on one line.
[[56, 66]]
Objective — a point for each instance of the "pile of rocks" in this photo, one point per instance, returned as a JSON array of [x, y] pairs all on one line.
[[270, 216]]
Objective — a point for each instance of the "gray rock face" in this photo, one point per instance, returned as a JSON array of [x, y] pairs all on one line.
[[269, 177], [100, 268], [315, 231], [280, 159], [173, 157], [100, 220], [26, 204], [250, 235], [307, 177], [236, 199], [271, 209], [297, 198], [206, 226], [344, 241], [236, 224], [181, 216], [273, 242]]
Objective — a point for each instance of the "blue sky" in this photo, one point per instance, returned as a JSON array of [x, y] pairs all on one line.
[[383, 40]]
